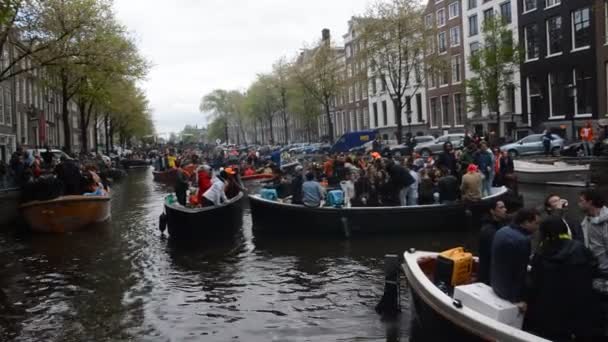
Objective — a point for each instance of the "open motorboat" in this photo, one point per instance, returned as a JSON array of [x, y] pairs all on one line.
[[558, 173], [447, 318]]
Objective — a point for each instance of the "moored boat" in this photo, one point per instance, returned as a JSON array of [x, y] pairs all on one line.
[[9, 202], [135, 163], [286, 218], [437, 314], [66, 213], [558, 172], [207, 222], [168, 176], [257, 176]]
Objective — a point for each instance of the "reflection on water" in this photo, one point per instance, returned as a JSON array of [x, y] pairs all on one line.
[[122, 281]]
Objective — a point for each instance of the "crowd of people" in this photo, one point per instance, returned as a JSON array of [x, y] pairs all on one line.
[[554, 268], [377, 179]]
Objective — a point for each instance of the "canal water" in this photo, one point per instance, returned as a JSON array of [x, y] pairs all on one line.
[[123, 281]]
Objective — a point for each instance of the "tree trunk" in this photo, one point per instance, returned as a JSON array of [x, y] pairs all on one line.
[[95, 137], [226, 131], [262, 130], [65, 113], [272, 142], [398, 105], [255, 132], [106, 133], [83, 126], [285, 122], [111, 135], [330, 125]]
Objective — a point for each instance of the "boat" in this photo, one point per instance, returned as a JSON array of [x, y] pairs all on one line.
[[216, 221], [257, 176], [9, 202], [558, 172], [436, 313], [168, 176], [135, 163], [280, 217], [66, 213]]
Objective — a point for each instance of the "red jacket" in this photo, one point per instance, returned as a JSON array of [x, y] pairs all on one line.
[[204, 183]]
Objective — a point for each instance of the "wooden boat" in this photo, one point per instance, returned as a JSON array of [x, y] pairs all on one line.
[[9, 202], [558, 172], [436, 313], [66, 213], [279, 217], [216, 221], [168, 176], [135, 163], [257, 176]]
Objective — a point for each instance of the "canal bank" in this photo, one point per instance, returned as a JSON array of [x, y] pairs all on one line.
[[124, 282]]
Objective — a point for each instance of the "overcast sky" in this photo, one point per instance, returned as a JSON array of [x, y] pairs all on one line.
[[196, 46]]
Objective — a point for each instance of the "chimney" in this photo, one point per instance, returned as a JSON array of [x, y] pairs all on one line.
[[325, 35]]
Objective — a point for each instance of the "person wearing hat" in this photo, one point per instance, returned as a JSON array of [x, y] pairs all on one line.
[[203, 174], [233, 186], [296, 186], [470, 188], [215, 195]]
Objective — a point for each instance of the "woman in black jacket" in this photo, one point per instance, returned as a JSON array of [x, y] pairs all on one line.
[[560, 298]]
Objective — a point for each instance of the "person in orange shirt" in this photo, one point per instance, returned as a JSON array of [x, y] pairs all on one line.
[[586, 134], [328, 167]]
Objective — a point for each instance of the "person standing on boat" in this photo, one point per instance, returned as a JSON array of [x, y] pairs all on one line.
[[556, 206], [181, 183], [412, 190], [312, 191], [296, 185], [203, 176], [547, 137], [447, 159], [490, 224], [447, 187], [216, 195], [511, 250], [485, 162], [561, 302], [400, 180], [470, 188]]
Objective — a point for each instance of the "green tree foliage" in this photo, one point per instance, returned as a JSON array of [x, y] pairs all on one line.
[[217, 107], [492, 68], [264, 100]]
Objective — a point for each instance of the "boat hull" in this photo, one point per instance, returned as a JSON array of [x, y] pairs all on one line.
[[9, 203], [168, 177], [211, 222], [256, 177], [535, 173], [135, 163], [276, 217], [66, 213]]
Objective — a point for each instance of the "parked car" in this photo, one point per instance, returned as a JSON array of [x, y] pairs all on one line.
[[435, 146], [318, 149], [404, 149], [533, 144], [576, 149], [57, 154]]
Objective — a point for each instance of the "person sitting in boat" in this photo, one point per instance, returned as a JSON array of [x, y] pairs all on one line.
[[511, 250], [216, 194], [203, 176], [561, 302], [296, 185], [426, 188], [68, 173], [363, 192], [233, 184], [312, 192], [249, 171], [490, 224], [471, 184], [181, 183], [558, 207]]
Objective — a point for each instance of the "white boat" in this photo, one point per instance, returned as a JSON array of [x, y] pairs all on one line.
[[436, 312], [556, 173]]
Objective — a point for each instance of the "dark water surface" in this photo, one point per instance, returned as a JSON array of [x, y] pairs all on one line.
[[123, 282]]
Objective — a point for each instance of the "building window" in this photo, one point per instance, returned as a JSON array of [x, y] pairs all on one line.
[[445, 106], [473, 27], [430, 76], [350, 94], [454, 10], [375, 110], [583, 94], [428, 21], [430, 45], [434, 112], [383, 83], [443, 77], [581, 28], [554, 36], [552, 3], [554, 97], [455, 36], [442, 44], [472, 4], [488, 15], [530, 36], [456, 77], [529, 5], [2, 106], [384, 113], [441, 18], [458, 110], [419, 107], [374, 86], [505, 12], [474, 46]]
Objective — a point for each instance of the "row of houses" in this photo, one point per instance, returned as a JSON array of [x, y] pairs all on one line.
[[30, 109], [561, 84]]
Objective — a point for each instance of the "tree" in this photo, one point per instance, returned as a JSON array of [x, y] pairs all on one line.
[[318, 72], [492, 68], [216, 104], [263, 100], [394, 41], [303, 106], [280, 72]]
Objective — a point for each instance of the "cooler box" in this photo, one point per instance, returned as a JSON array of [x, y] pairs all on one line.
[[454, 267], [481, 298], [269, 194], [335, 198]]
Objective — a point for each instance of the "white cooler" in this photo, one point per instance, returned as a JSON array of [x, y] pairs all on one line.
[[481, 298]]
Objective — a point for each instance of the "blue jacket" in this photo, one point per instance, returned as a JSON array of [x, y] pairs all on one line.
[[511, 251], [483, 161]]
